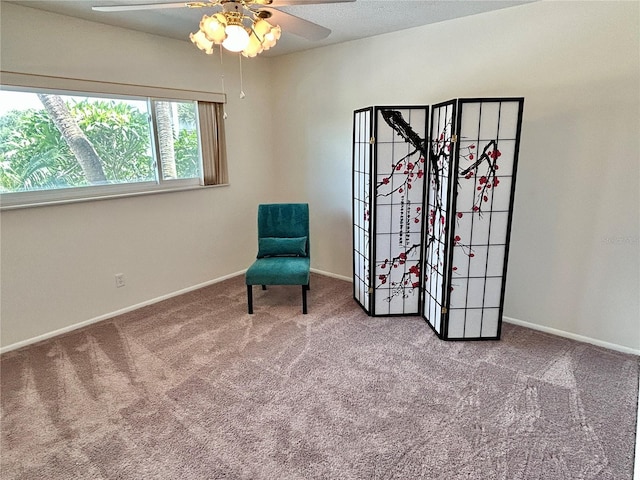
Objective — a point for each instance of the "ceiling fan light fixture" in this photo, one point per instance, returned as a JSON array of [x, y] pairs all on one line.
[[237, 28], [244, 14]]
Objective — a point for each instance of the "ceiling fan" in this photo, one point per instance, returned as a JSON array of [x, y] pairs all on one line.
[[245, 26]]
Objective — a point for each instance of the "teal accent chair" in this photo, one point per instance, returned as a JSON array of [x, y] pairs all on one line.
[[283, 249]]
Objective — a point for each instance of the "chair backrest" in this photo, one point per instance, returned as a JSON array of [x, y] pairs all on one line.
[[289, 220]]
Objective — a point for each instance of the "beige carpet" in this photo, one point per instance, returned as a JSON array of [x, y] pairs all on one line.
[[194, 388]]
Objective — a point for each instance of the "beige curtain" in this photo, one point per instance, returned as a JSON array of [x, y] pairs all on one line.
[[214, 146]]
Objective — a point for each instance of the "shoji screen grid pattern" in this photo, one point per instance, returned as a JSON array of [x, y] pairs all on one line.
[[436, 271], [485, 167], [361, 206], [400, 160]]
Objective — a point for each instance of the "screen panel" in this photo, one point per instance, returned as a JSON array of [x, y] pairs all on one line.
[[362, 131], [400, 153], [437, 214], [488, 131]]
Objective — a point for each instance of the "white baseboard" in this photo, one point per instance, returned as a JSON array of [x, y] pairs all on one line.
[[332, 275], [572, 336], [107, 316]]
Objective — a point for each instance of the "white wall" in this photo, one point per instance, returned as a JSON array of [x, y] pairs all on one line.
[[574, 260], [58, 262]]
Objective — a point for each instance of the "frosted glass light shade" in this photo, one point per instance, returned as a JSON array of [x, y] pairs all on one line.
[[254, 47], [201, 41], [272, 37], [237, 38], [214, 28], [261, 28]]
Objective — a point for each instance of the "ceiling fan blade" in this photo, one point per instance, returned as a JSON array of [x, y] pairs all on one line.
[[155, 6], [282, 3], [142, 6], [296, 25]]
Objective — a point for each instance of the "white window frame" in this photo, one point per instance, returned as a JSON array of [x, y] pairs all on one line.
[[67, 86]]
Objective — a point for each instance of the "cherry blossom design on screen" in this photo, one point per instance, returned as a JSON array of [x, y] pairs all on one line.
[[483, 174], [406, 173]]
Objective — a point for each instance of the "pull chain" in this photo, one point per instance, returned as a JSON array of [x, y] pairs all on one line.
[[224, 105], [242, 95]]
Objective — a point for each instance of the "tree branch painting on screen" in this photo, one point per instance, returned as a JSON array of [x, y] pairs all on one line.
[[482, 172], [405, 171]]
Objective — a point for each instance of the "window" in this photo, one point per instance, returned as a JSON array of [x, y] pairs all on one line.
[[57, 145]]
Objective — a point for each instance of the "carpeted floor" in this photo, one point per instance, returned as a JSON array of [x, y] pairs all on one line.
[[194, 388]]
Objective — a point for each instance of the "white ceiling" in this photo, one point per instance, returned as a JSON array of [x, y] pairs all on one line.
[[347, 21]]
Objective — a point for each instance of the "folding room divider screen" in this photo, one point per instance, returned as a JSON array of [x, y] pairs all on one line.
[[432, 213]]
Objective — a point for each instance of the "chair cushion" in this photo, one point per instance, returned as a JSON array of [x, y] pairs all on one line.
[[282, 247], [279, 271]]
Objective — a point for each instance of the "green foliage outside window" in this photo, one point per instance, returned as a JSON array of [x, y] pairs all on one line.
[[35, 156]]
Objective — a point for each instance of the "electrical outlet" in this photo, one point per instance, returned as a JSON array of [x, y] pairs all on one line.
[[120, 280]]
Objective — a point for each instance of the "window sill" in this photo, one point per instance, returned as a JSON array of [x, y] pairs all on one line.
[[97, 197]]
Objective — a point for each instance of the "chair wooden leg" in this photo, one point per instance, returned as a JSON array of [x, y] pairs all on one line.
[[304, 299], [250, 298]]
